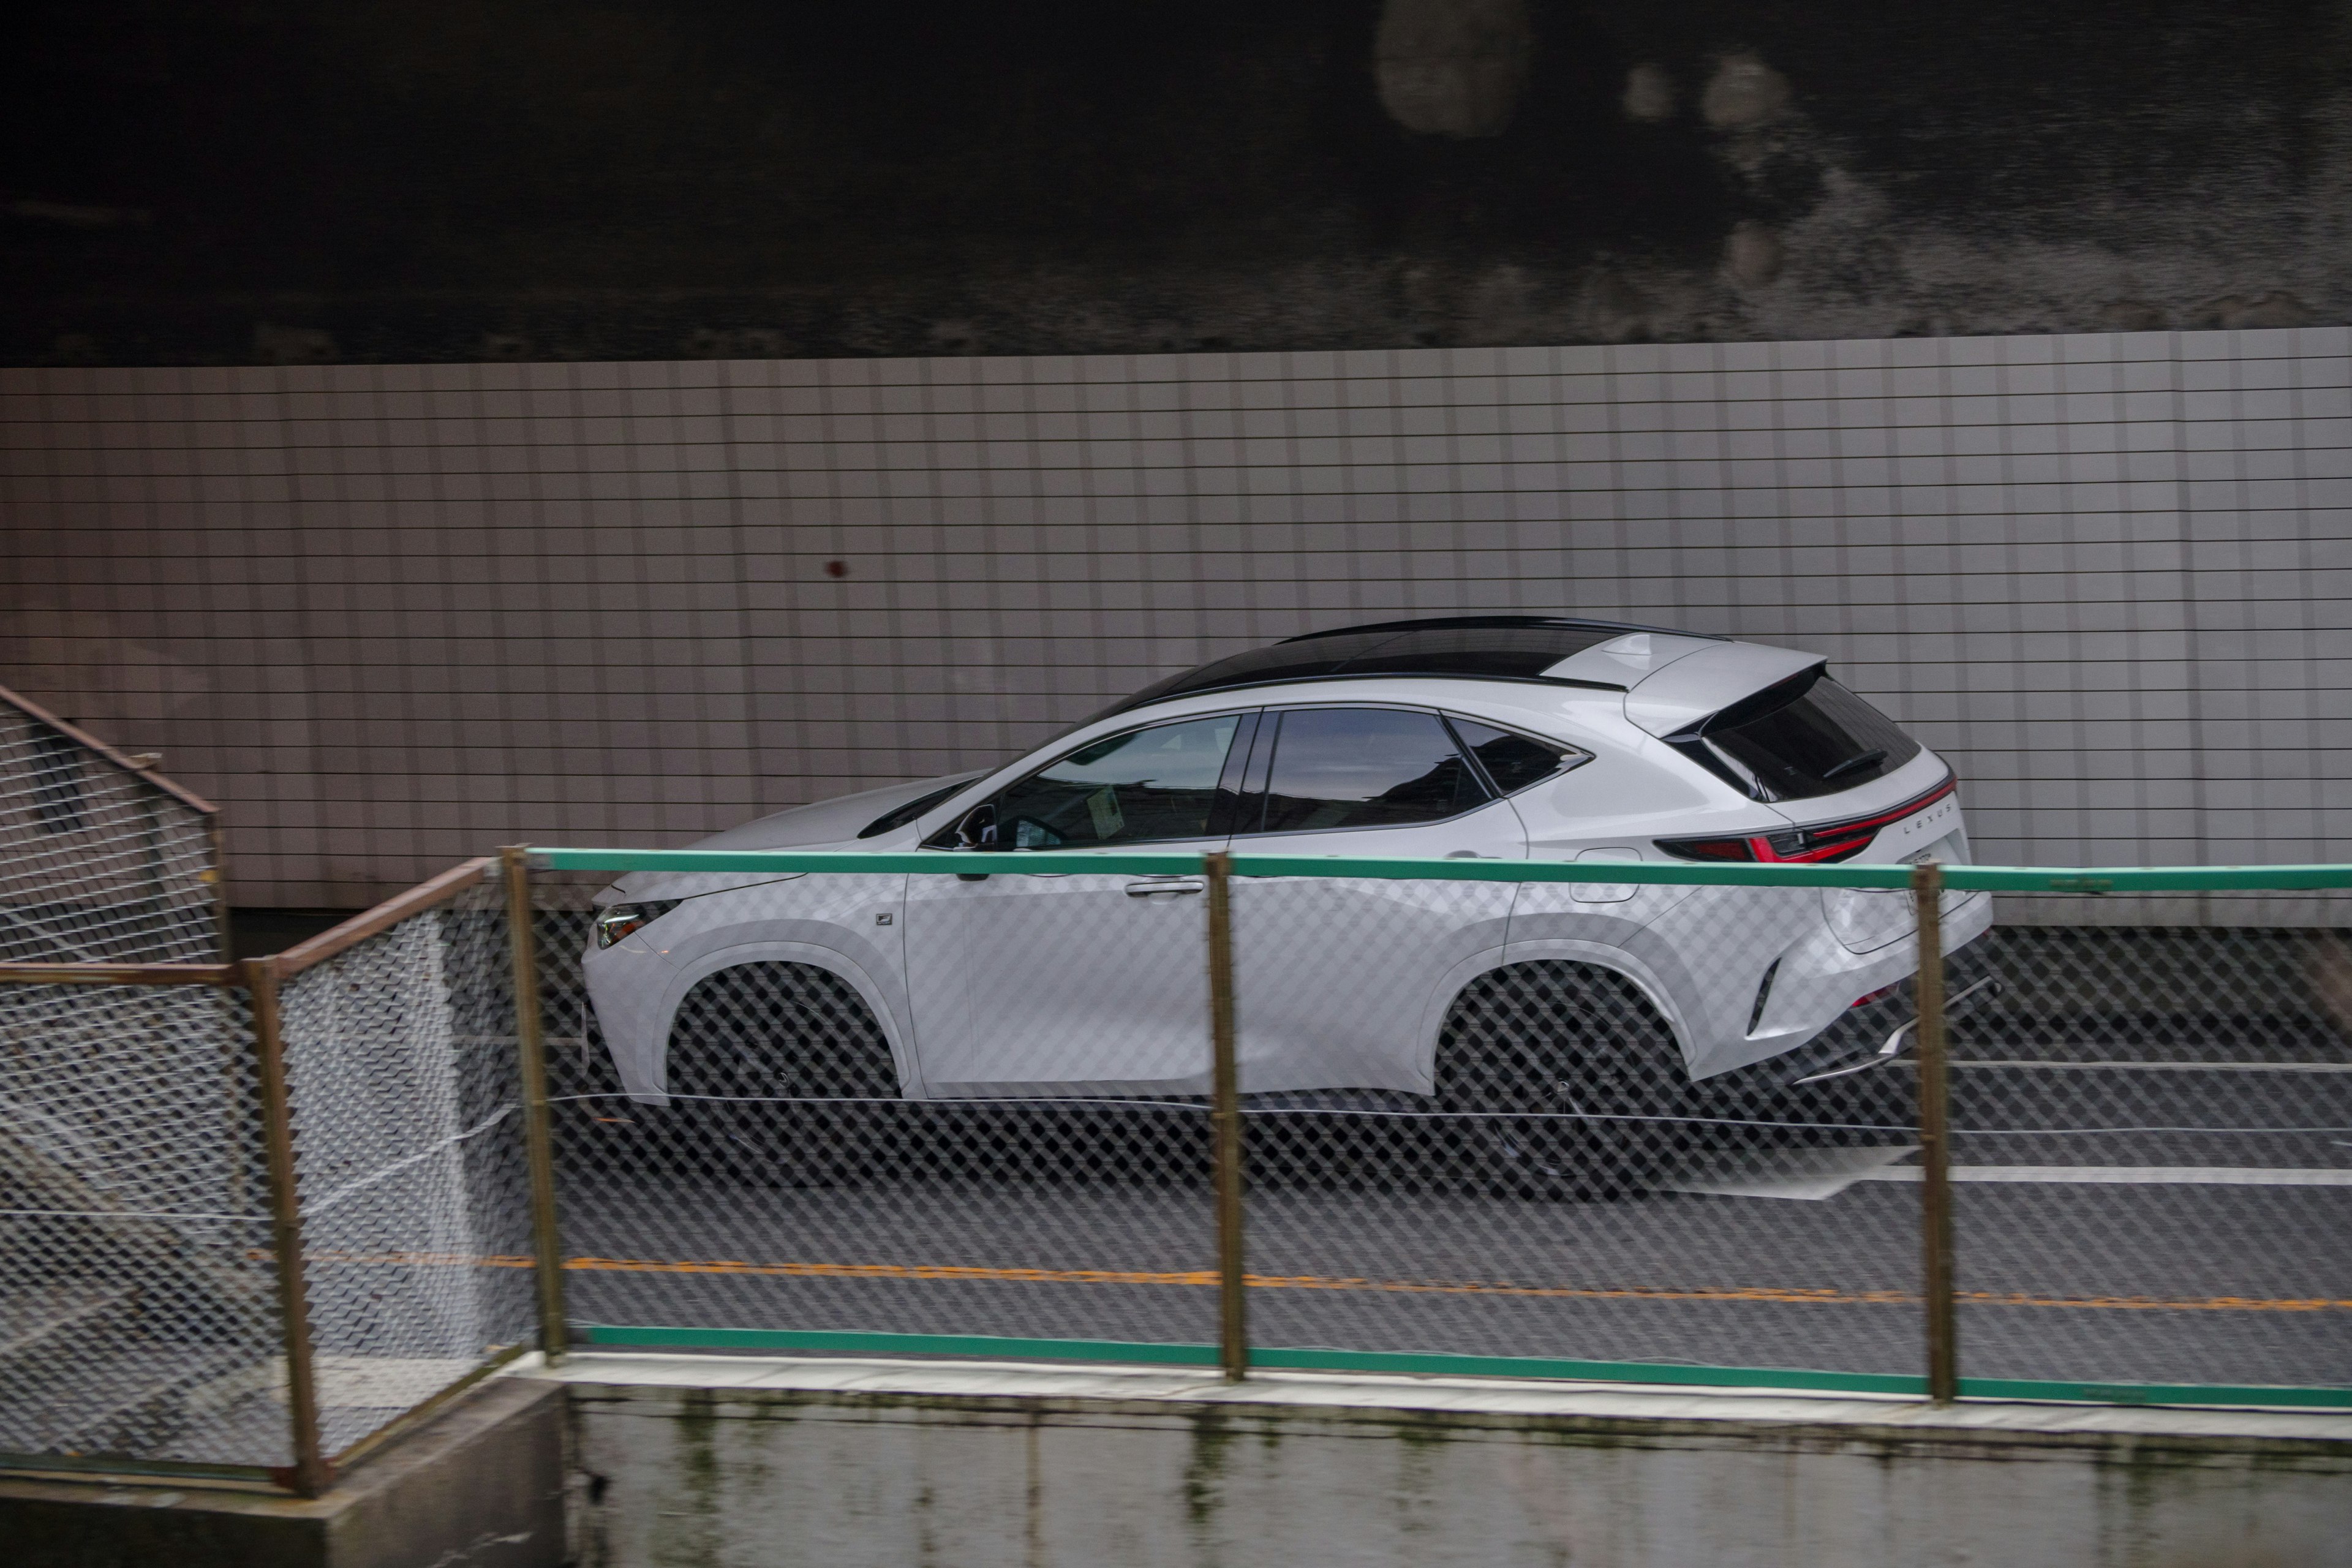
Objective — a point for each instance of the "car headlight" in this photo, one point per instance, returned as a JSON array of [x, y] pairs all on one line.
[[617, 921]]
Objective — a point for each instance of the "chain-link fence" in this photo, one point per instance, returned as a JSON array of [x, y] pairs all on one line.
[[1680, 1126], [402, 1076], [101, 859], [786, 1176], [134, 1204], [1500, 1118], [2152, 1155], [253, 1216]]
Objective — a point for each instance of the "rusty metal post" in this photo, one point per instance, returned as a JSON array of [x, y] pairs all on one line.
[[311, 1475], [151, 833], [221, 920], [1935, 1141], [538, 1141], [1232, 1302]]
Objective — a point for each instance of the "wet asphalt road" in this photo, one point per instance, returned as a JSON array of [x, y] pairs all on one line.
[[2170, 1267]]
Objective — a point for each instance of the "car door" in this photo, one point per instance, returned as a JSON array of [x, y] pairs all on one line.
[[1028, 980], [1339, 983]]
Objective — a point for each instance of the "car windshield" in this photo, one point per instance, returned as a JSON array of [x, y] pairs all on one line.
[[1809, 736]]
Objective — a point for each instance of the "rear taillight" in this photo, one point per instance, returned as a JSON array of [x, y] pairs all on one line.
[[1818, 845], [1792, 845], [1708, 849]]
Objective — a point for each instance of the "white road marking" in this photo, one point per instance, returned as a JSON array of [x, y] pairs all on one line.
[[1811, 1176], [1959, 1062], [2109, 1175]]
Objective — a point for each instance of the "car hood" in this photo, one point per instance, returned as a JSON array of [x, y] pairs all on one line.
[[820, 825]]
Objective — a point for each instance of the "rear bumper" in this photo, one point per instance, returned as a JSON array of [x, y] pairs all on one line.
[[1882, 1033]]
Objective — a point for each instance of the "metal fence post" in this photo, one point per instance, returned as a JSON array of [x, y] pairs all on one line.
[[1232, 1317], [537, 1143], [222, 928], [1935, 1141], [311, 1476]]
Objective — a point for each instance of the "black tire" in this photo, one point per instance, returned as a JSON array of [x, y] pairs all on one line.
[[776, 1072], [1557, 1074]]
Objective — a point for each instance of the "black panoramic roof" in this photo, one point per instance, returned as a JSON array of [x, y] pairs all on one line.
[[1494, 648]]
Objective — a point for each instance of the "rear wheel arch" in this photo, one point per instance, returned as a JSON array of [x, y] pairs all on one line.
[[1597, 955], [1546, 1014]]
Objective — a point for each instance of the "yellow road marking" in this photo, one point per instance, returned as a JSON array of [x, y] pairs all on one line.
[[1801, 1296]]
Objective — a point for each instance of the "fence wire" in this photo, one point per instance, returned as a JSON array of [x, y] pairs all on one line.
[[1646, 1125], [140, 1318], [1565, 1188], [138, 1315], [1446, 1152], [788, 1181], [402, 1073], [2153, 1156], [1664, 1127], [98, 863]]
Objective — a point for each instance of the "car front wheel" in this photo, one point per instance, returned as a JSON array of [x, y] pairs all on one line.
[[777, 1072]]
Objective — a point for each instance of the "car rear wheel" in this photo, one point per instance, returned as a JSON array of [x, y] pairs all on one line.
[[1556, 1076]]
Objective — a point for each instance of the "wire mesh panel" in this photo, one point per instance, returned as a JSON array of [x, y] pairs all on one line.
[[1672, 1124], [98, 862], [402, 1073], [138, 1319], [750, 1137], [1610, 1123], [2153, 1153]]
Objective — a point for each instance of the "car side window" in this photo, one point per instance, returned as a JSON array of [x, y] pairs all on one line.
[[1363, 767], [1514, 761], [1149, 784]]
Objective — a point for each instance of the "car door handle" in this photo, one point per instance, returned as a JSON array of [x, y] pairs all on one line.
[[1144, 890]]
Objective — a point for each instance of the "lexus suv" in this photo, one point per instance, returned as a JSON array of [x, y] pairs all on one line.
[[1015, 971]]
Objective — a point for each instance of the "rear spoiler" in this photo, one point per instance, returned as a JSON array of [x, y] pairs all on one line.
[[1680, 698]]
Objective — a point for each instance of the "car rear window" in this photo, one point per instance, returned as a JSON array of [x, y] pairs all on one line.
[[1808, 736]]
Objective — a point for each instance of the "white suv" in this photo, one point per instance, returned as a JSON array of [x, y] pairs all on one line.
[[1495, 736]]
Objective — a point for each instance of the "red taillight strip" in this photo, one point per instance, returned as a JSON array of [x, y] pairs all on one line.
[[1853, 834], [1908, 807], [1845, 839], [1764, 851]]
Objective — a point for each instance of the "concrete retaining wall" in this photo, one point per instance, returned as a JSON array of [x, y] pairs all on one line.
[[480, 1486], [733, 1461]]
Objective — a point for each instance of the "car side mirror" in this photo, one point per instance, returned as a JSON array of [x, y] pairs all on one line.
[[978, 829]]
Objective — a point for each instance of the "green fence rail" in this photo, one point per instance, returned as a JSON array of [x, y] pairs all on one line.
[[1414, 1363], [1728, 874]]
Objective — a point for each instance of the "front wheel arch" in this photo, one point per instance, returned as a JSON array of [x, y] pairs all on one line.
[[781, 1030], [876, 998]]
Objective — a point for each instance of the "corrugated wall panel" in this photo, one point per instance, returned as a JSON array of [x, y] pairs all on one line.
[[390, 614]]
